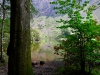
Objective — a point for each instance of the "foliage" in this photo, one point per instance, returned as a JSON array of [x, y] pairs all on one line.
[[5, 8], [35, 40], [69, 70], [4, 13], [82, 47], [33, 11], [47, 27], [6, 29]]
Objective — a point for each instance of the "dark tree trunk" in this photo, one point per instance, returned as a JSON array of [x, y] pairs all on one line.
[[82, 56], [82, 66], [19, 62]]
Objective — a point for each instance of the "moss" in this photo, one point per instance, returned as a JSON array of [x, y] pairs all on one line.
[[20, 54]]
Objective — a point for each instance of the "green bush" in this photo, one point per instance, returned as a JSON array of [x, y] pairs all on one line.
[[35, 40]]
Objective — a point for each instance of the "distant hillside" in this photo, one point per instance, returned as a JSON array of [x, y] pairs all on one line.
[[44, 7]]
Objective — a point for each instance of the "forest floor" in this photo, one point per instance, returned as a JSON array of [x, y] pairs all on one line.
[[49, 68]]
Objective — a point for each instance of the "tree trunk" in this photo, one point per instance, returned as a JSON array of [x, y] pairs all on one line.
[[82, 66], [82, 56], [19, 62], [2, 28]]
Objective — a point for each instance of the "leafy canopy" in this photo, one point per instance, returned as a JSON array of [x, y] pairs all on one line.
[[83, 45]]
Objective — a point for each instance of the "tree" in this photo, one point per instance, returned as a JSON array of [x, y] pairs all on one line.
[[19, 62], [81, 47], [4, 17], [4, 28], [33, 11]]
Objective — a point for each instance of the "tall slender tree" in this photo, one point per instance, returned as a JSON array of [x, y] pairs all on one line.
[[4, 21], [19, 62], [2, 27]]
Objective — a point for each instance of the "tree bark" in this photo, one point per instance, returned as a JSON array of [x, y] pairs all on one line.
[[19, 62], [82, 56]]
